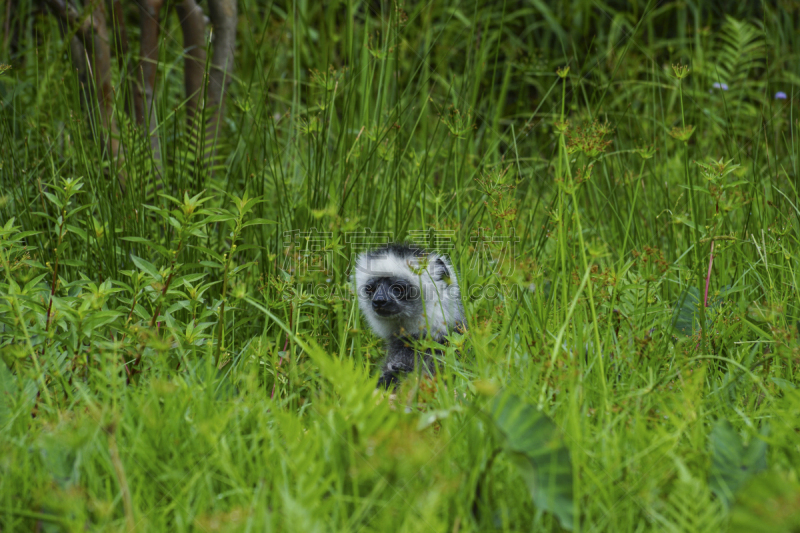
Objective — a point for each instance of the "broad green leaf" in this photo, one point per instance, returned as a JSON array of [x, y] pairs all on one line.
[[768, 503], [101, 318], [535, 445], [146, 266], [32, 283], [687, 318], [210, 264], [258, 221], [170, 198], [78, 210], [141, 312], [210, 252], [177, 306], [731, 463], [25, 234], [77, 231], [239, 268], [33, 263], [244, 247], [219, 218], [54, 199]]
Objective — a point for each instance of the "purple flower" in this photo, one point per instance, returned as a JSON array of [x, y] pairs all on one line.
[[780, 95], [718, 85]]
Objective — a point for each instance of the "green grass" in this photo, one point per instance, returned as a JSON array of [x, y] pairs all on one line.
[[204, 366]]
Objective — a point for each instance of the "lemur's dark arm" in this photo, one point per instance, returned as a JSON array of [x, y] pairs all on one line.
[[401, 359]]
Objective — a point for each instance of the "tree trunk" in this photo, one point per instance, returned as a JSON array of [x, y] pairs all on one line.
[[223, 16], [145, 75], [92, 34], [193, 25]]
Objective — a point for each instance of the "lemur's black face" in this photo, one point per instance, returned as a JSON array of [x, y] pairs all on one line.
[[391, 296]]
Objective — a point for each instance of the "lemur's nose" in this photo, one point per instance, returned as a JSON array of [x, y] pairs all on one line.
[[379, 301]]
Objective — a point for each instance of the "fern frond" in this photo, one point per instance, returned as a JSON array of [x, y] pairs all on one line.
[[739, 50], [690, 509]]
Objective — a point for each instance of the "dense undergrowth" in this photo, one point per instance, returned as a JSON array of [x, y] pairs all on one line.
[[617, 184]]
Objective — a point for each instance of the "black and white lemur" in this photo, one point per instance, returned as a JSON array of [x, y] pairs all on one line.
[[407, 294]]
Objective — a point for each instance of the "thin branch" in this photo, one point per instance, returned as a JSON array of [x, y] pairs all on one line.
[[708, 276]]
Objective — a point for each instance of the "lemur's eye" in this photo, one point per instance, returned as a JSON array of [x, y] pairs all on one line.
[[399, 291], [369, 289]]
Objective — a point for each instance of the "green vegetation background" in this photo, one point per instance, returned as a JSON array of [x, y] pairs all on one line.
[[190, 358]]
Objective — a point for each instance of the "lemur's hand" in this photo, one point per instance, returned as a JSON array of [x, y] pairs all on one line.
[[388, 380]]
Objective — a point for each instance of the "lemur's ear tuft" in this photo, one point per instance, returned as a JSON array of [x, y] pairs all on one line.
[[439, 270]]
